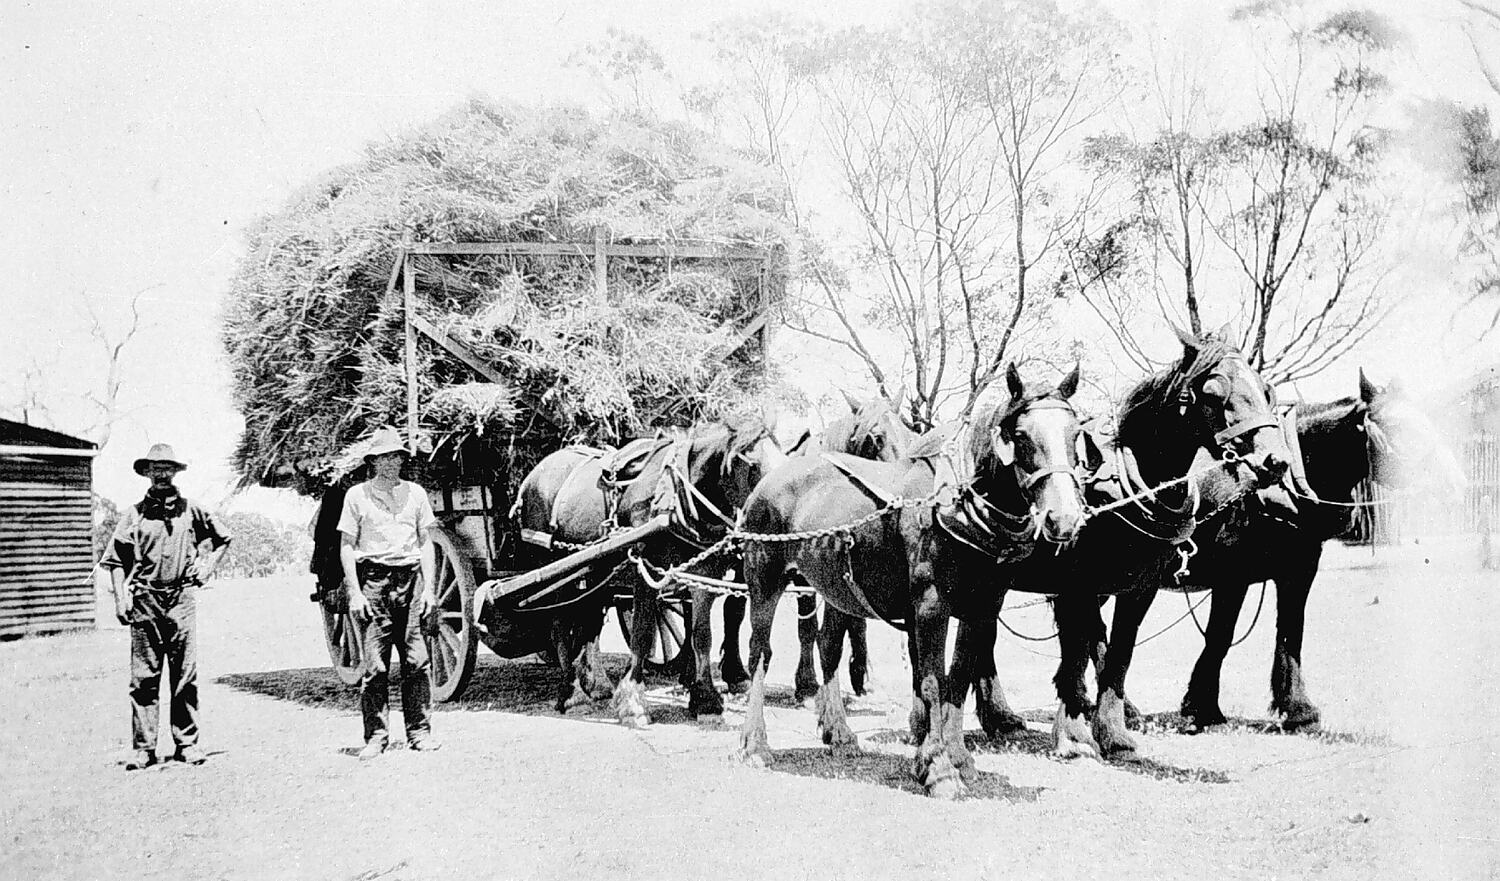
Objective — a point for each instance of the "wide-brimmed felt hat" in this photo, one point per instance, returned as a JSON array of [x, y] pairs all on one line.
[[158, 453], [385, 440]]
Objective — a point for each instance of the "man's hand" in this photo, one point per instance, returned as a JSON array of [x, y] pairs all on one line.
[[426, 603], [359, 607], [122, 609]]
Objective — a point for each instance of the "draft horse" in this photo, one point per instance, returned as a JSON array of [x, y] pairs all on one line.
[[1376, 436], [872, 430], [1211, 399], [577, 496], [873, 543]]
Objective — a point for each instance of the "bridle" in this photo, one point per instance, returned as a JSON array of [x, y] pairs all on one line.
[[1028, 481], [1224, 446]]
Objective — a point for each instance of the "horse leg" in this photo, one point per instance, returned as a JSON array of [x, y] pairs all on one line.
[[630, 694], [974, 662], [1288, 692], [833, 725], [1099, 654], [1075, 617], [731, 665], [1201, 702], [859, 650], [572, 690], [1109, 717], [942, 761], [704, 702], [755, 748], [807, 636]]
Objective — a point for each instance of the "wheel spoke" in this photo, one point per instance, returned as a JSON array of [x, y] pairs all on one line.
[[439, 661]]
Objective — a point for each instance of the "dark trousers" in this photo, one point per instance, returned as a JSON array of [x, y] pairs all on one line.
[[171, 635], [391, 591]]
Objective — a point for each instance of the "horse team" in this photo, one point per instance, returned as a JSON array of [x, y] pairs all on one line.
[[1204, 486]]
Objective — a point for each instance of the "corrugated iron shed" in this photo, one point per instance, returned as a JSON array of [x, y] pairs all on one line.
[[46, 531]]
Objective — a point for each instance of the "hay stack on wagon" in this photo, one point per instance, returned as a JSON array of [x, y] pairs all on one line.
[[316, 344]]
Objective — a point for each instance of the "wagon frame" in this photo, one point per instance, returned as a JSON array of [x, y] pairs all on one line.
[[467, 542]]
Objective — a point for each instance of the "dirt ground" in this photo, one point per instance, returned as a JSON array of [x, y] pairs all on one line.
[[1401, 783]]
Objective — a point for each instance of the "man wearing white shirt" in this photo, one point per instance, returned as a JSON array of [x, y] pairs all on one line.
[[386, 551]]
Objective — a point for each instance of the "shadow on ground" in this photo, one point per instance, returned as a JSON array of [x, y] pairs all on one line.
[[526, 686], [1030, 741], [890, 771]]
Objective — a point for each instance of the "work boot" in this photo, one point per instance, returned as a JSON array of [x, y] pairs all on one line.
[[372, 749], [425, 745], [140, 759], [191, 755]]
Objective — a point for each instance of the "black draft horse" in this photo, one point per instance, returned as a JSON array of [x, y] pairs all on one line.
[[1376, 435], [701, 478], [875, 557], [1211, 399], [872, 430]]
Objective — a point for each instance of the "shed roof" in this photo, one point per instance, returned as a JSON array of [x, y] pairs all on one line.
[[19, 434]]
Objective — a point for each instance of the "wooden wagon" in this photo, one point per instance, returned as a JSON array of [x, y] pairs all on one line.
[[475, 543]]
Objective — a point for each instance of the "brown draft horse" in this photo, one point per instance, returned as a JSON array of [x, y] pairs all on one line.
[[877, 558], [872, 430], [702, 478]]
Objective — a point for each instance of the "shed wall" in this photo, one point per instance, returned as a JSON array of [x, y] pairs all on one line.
[[46, 544]]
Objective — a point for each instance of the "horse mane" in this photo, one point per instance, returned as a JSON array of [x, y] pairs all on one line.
[[1162, 389], [1316, 416]]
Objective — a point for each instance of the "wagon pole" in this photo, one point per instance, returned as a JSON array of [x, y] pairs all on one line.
[[409, 298]]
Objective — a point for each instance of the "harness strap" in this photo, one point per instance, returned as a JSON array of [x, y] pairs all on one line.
[[885, 496], [1243, 428]]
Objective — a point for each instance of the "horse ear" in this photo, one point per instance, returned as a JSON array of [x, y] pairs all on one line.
[[1013, 382], [1089, 454], [1069, 385], [851, 400], [1004, 449], [1189, 342], [1367, 390]]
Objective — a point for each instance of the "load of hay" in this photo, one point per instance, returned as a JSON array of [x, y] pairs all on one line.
[[316, 345]]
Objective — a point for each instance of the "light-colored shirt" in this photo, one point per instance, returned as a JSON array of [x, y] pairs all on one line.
[[157, 545], [387, 528]]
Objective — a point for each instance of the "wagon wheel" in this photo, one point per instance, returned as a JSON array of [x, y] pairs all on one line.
[[670, 633], [345, 650], [451, 642]]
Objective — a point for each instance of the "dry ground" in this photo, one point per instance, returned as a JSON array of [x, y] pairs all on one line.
[[1401, 783]]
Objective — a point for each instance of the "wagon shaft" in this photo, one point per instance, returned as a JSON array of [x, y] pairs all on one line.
[[516, 590]]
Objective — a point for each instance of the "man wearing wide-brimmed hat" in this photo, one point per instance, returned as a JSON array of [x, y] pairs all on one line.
[[388, 563], [155, 568]]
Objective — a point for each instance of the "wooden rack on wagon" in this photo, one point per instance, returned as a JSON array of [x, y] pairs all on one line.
[[474, 543]]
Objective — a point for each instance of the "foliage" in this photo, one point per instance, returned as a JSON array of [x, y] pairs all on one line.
[[261, 547], [106, 515], [944, 131], [316, 345], [1288, 201]]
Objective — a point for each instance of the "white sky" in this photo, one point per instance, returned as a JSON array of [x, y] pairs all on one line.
[[140, 139]]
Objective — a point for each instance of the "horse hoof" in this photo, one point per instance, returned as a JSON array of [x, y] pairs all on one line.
[[1301, 725], [754, 758], [1000, 724], [949, 787], [739, 687]]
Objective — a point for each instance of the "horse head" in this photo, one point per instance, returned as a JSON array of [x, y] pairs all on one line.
[[1211, 399], [872, 430], [1402, 444], [726, 462], [1034, 447]]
